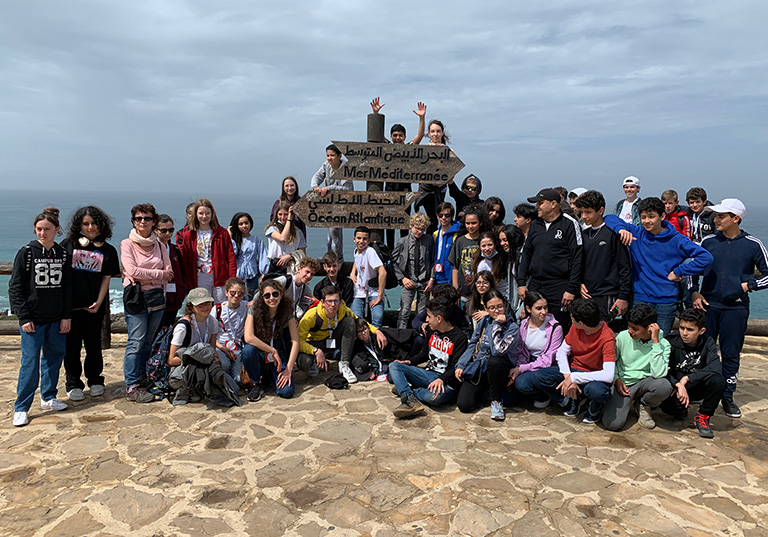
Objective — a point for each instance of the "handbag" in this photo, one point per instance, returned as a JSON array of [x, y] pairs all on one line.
[[475, 367], [133, 301]]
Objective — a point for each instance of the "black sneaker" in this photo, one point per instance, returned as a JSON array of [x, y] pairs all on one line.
[[702, 424], [730, 408], [255, 393], [574, 409], [410, 407]]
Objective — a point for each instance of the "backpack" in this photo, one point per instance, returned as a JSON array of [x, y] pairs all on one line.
[[157, 365], [385, 255]]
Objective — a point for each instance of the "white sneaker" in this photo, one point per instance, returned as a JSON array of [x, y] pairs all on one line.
[[97, 390], [76, 394], [20, 419], [53, 404], [347, 372]]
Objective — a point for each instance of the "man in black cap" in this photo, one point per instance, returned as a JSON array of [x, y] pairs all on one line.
[[551, 261]]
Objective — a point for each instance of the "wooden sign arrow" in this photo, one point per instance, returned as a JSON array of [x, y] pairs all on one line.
[[350, 208], [398, 163]]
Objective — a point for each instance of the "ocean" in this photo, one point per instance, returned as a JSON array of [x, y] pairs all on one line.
[[20, 208]]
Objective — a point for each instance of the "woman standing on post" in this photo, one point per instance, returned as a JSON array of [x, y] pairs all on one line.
[[145, 264], [94, 262]]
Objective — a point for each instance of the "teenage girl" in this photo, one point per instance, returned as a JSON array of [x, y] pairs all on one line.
[[289, 193], [432, 195], [475, 306], [94, 262], [511, 240], [206, 249], [283, 238], [490, 257], [40, 293], [250, 252], [496, 213]]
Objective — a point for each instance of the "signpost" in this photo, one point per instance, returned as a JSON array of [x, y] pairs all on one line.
[[350, 208]]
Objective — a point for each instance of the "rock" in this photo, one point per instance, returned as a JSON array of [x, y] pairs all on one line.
[[532, 523], [133, 507], [75, 525], [475, 521], [196, 526], [727, 474], [642, 519], [386, 494], [346, 513], [82, 446], [343, 432], [577, 482], [342, 474], [267, 518]]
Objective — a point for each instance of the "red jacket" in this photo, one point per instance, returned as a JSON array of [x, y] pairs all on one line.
[[173, 301], [679, 219], [222, 257]]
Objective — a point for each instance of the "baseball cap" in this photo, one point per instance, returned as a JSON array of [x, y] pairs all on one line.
[[631, 180], [549, 194], [730, 205], [578, 191], [198, 295]]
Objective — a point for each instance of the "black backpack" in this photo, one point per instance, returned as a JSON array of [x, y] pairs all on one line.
[[385, 255]]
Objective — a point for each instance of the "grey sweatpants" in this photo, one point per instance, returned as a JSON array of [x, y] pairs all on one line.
[[649, 391]]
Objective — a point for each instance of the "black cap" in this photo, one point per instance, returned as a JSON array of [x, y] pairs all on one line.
[[548, 194]]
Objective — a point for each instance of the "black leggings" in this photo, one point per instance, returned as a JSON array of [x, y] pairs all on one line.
[[493, 382]]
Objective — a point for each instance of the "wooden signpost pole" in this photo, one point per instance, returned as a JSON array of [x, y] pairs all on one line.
[[376, 134]]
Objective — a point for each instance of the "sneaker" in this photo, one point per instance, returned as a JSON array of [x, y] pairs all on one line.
[[590, 418], [730, 408], [681, 416], [255, 393], [313, 371], [574, 408], [497, 411], [20, 419], [410, 407], [181, 397], [542, 404], [345, 370], [394, 391], [97, 390], [702, 424], [53, 404], [644, 418], [139, 395], [76, 394]]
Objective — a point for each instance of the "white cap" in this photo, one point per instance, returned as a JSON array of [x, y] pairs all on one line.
[[578, 191], [730, 205], [631, 180]]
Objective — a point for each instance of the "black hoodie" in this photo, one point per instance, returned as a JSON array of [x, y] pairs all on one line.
[[40, 289], [695, 361]]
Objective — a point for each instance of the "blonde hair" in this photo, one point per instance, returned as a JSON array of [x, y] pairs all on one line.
[[669, 195], [194, 225], [419, 220]]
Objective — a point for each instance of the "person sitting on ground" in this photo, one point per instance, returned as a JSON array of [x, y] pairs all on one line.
[[459, 319], [333, 277], [414, 268], [367, 349], [231, 316], [492, 350], [585, 365], [475, 306], [695, 372], [297, 285], [436, 383], [642, 356]]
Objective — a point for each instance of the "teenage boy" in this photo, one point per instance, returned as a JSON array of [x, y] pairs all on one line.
[[327, 331], [525, 213], [413, 267], [463, 252], [436, 383], [700, 214], [607, 271], [725, 288], [658, 251], [627, 208], [642, 355], [585, 366], [469, 194], [674, 214], [297, 285], [230, 318], [368, 268], [551, 260], [324, 176], [333, 277], [695, 372], [444, 237]]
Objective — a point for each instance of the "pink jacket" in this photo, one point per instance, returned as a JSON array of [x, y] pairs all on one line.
[[554, 339], [143, 266]]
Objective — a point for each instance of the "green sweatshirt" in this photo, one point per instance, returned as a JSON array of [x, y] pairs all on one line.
[[636, 360]]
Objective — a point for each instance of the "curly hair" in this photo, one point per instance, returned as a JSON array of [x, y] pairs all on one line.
[[262, 322], [100, 218]]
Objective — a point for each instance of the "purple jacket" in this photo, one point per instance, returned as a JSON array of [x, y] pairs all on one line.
[[554, 339]]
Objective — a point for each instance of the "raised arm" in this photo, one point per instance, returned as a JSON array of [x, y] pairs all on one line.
[[421, 111], [375, 106]]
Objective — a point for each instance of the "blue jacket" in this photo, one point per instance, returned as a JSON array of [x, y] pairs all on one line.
[[442, 251], [735, 262], [655, 256], [492, 338]]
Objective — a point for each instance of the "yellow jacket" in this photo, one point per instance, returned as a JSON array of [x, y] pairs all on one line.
[[314, 326]]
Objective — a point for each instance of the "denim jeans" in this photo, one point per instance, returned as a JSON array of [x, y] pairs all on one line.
[[666, 313], [33, 370], [377, 311], [406, 299], [254, 363], [142, 328], [545, 381], [411, 379], [231, 368]]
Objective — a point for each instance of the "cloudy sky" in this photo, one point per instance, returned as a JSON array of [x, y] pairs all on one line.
[[237, 94]]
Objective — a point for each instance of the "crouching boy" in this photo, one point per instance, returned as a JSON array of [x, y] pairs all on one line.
[[695, 371], [585, 365], [436, 384], [642, 355]]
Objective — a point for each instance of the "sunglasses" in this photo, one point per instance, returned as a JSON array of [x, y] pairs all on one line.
[[165, 230], [235, 294], [143, 218], [444, 215], [273, 294], [470, 188]]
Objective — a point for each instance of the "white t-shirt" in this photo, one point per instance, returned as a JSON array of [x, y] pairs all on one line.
[[367, 264], [536, 340], [626, 211], [201, 333], [276, 248], [232, 324], [204, 260]]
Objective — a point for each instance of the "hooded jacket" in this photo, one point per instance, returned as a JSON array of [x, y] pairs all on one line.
[[40, 289], [702, 225], [443, 244], [461, 199], [695, 367], [679, 218], [555, 337], [655, 256]]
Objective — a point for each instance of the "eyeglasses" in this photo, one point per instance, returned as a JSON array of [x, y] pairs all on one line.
[[332, 301], [444, 215], [362, 331], [495, 308], [235, 294], [143, 218], [483, 283], [165, 230], [470, 188], [273, 294]]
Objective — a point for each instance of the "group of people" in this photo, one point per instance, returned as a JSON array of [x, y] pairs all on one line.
[[504, 313]]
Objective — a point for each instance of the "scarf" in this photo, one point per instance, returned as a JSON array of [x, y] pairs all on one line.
[[144, 242]]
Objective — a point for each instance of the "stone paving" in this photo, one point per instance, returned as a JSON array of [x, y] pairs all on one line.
[[338, 463]]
